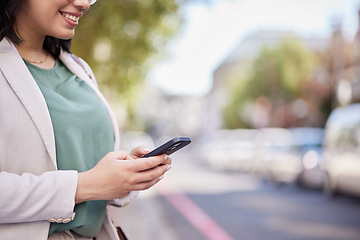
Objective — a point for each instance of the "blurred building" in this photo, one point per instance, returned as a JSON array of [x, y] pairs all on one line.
[[337, 76], [167, 115], [239, 60], [350, 75]]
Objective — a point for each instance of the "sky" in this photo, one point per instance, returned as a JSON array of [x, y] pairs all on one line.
[[211, 32]]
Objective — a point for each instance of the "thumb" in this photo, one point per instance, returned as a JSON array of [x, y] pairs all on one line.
[[120, 155], [139, 152]]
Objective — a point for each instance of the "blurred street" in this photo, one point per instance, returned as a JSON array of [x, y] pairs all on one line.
[[275, 127], [194, 202]]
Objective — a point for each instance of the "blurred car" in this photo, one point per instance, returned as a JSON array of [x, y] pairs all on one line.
[[277, 159], [309, 144], [228, 149], [342, 151]]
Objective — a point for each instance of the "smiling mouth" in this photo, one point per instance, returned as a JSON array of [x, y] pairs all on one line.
[[70, 17]]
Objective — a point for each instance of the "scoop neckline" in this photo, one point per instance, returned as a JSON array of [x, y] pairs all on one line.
[[42, 69]]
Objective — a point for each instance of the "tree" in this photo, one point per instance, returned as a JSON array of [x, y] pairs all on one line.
[[121, 39], [276, 79]]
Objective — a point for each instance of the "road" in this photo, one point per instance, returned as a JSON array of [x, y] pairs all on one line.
[[193, 202]]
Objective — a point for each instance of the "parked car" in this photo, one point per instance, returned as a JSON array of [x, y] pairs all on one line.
[[342, 151], [309, 144], [277, 158], [228, 149]]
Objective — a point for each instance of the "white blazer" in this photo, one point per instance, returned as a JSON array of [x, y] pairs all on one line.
[[32, 190]]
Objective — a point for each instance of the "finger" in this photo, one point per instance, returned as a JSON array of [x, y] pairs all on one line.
[[142, 164], [154, 173], [139, 151], [147, 185], [120, 155], [167, 160]]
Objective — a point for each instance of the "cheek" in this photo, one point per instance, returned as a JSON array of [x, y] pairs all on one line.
[[43, 16]]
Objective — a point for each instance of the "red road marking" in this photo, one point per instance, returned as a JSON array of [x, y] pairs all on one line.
[[202, 222]]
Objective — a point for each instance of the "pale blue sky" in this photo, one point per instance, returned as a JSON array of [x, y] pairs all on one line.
[[212, 32]]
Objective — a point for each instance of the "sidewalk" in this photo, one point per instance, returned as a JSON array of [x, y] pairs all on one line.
[[143, 219]]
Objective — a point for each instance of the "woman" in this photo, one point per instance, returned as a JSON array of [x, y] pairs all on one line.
[[59, 159]]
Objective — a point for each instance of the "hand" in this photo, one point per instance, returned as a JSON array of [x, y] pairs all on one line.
[[117, 174], [140, 151]]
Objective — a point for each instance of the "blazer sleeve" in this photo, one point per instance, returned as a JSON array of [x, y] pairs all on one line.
[[28, 198]]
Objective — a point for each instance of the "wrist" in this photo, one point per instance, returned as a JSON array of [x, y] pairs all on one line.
[[85, 190]]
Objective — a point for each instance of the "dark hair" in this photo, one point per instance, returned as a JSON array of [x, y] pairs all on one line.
[[8, 11]]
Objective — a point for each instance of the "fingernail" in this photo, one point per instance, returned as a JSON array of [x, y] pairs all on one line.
[[168, 167], [166, 157], [147, 150], [161, 177]]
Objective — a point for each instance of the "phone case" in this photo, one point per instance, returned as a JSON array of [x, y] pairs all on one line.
[[169, 147]]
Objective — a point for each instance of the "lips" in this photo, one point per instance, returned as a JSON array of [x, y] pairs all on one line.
[[70, 16]]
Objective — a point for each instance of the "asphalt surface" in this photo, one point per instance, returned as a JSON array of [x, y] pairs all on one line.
[[193, 202]]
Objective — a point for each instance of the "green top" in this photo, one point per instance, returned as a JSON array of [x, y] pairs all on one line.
[[83, 135]]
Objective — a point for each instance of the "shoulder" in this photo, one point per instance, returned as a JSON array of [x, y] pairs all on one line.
[[6, 46], [78, 66], [80, 61]]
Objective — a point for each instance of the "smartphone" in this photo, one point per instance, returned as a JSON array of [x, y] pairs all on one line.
[[169, 147]]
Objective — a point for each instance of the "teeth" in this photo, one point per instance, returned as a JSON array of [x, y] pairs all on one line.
[[71, 17]]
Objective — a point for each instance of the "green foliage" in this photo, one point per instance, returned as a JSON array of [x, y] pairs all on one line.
[[121, 40], [280, 71], [119, 37], [277, 74]]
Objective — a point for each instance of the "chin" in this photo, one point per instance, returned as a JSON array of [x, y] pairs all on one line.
[[65, 36]]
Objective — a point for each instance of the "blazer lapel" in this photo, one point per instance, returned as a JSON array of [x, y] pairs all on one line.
[[25, 87]]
